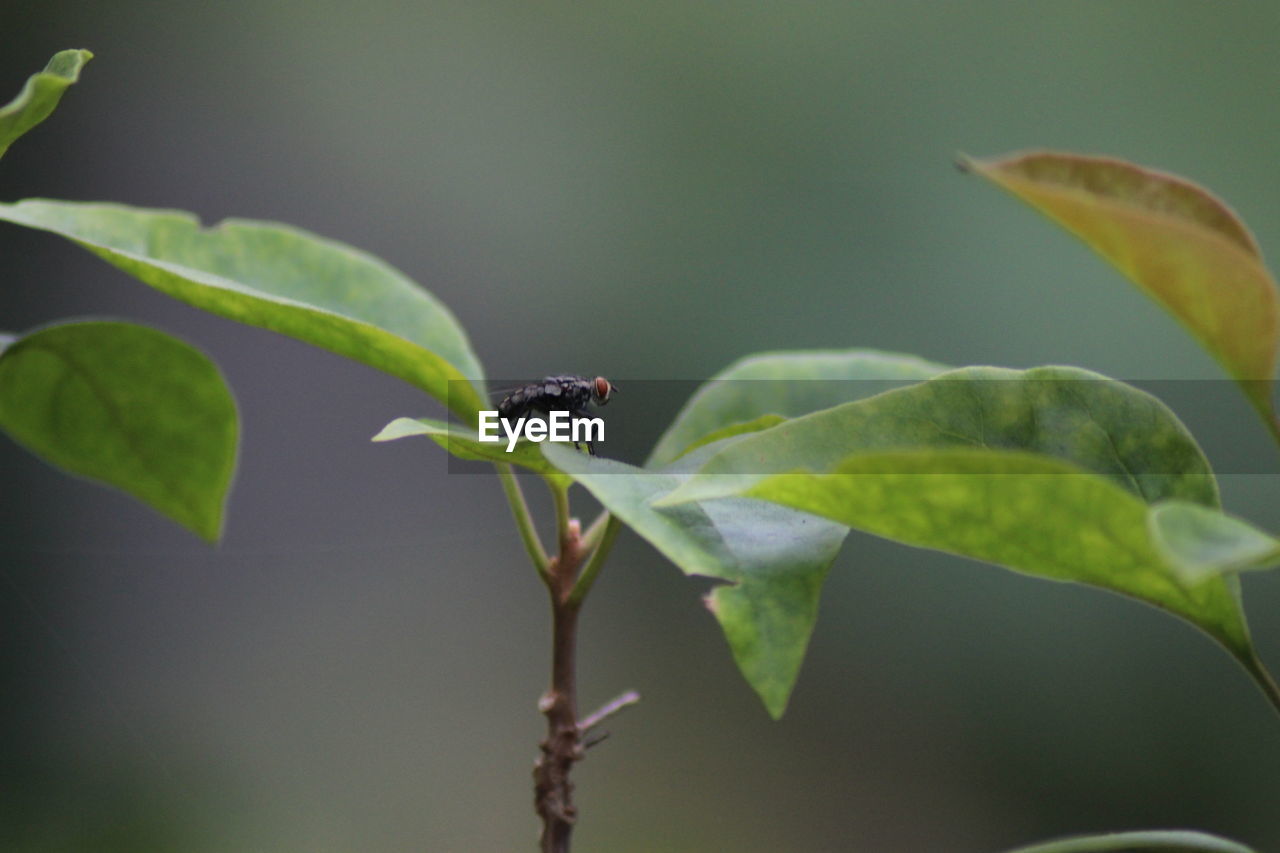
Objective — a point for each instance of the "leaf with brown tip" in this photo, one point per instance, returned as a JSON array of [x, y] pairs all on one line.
[[1181, 245]]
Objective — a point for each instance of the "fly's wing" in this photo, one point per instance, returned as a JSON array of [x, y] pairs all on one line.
[[573, 393], [516, 403], [552, 394]]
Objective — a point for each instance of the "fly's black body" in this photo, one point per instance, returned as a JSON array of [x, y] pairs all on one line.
[[564, 393]]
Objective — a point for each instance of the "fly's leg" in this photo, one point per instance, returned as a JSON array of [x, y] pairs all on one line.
[[578, 415]]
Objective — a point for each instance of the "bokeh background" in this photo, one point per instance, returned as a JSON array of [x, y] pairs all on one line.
[[647, 191]]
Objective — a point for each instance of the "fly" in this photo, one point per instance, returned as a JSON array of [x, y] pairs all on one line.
[[564, 393]]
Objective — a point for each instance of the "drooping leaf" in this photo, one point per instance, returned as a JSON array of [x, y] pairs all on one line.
[[1176, 241], [1142, 841], [1028, 512], [462, 442], [783, 385], [1199, 542], [773, 560], [284, 279], [1047, 472], [128, 406], [40, 95]]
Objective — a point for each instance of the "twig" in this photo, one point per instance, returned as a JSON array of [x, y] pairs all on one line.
[[604, 712]]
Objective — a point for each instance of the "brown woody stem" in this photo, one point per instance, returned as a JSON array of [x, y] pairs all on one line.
[[567, 582], [553, 790]]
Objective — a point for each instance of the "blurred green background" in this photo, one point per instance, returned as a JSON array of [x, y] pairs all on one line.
[[647, 191]]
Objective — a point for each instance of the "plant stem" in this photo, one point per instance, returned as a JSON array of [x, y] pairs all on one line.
[[524, 521], [560, 497], [604, 712], [1261, 677], [568, 582], [598, 556], [553, 791]]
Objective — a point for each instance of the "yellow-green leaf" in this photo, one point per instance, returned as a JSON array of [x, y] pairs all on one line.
[[1181, 245]]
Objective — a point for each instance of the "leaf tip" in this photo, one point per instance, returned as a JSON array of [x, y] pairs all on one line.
[[210, 531]]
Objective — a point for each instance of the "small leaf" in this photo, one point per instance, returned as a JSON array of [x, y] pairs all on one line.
[[773, 560], [783, 385], [462, 442], [40, 95], [1176, 241], [284, 279], [1200, 542], [129, 406], [1142, 841], [1046, 472]]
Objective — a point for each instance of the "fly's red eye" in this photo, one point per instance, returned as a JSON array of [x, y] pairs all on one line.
[[602, 388]]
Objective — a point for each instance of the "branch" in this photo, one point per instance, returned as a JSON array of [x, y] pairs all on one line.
[[607, 710]]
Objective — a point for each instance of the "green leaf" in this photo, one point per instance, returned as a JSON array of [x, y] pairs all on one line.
[[772, 560], [461, 441], [284, 279], [1083, 417], [40, 95], [129, 406], [1182, 246], [783, 385], [1143, 841], [1199, 542], [1047, 472], [1031, 513]]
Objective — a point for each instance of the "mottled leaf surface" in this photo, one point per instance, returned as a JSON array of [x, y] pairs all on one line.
[[1083, 417], [760, 390], [1031, 513], [1047, 471]]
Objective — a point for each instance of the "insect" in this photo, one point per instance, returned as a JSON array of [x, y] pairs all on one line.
[[558, 394]]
